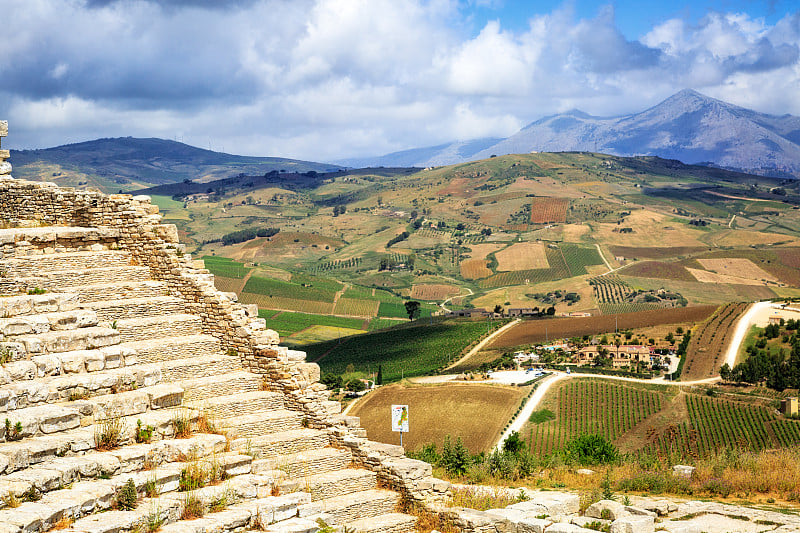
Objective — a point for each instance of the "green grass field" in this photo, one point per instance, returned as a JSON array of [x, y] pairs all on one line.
[[287, 323], [323, 291], [403, 351], [224, 267], [398, 310]]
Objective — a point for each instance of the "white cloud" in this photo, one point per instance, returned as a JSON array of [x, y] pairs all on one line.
[[324, 79]]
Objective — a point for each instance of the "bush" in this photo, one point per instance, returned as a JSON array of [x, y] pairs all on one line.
[[126, 496], [590, 450], [455, 458]]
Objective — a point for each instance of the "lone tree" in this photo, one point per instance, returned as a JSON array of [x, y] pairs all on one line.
[[412, 309], [379, 377]]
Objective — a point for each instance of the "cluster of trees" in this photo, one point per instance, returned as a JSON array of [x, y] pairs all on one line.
[[243, 235], [339, 210], [778, 369], [394, 240]]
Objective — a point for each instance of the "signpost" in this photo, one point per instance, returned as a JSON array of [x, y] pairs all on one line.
[[400, 420]]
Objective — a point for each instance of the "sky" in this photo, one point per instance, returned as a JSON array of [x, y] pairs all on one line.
[[328, 79]]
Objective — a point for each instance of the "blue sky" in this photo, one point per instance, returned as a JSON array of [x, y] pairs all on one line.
[[329, 79]]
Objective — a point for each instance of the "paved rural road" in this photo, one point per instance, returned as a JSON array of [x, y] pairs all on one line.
[[749, 318]]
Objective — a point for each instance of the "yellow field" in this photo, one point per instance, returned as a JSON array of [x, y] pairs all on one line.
[[474, 269], [710, 277], [480, 251], [522, 256], [319, 333], [475, 412], [738, 267], [516, 296], [649, 229], [747, 238], [430, 292]]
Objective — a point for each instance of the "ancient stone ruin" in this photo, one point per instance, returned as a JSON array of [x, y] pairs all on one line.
[[135, 395]]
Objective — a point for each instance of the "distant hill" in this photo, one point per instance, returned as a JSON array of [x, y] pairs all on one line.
[[128, 160], [688, 126], [432, 156]]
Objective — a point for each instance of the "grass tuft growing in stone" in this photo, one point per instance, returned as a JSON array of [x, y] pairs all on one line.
[[192, 507], [108, 432], [181, 424]]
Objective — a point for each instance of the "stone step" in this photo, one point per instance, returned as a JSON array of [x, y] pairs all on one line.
[[330, 484], [306, 463], [358, 505], [70, 340], [385, 523], [285, 442], [36, 265], [197, 390], [170, 348], [53, 233], [23, 394], [43, 323], [120, 291], [61, 280], [39, 420], [199, 367], [138, 329], [34, 450], [247, 403], [259, 424], [110, 310], [34, 304], [144, 460]]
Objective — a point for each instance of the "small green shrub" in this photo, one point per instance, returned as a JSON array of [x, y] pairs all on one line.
[[127, 496], [143, 433]]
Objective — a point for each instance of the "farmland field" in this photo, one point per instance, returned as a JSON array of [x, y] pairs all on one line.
[[549, 210], [356, 307], [288, 323], [522, 256], [658, 270], [654, 252], [736, 266], [532, 331], [403, 351], [591, 406], [705, 276], [228, 284], [558, 270], [433, 292], [398, 310], [474, 269], [313, 289], [222, 266], [579, 257], [475, 412], [706, 350], [287, 304], [318, 333], [715, 424]]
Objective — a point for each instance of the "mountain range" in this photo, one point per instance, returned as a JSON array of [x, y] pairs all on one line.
[[687, 126]]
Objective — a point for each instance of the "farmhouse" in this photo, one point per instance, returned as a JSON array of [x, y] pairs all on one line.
[[470, 313], [620, 356], [523, 311]]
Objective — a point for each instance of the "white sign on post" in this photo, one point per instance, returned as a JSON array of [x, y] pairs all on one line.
[[400, 420]]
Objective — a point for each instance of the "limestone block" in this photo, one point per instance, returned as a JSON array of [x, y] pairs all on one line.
[[165, 395], [562, 527], [5, 168], [660, 507], [293, 525], [309, 371], [521, 521], [94, 360], [555, 503], [639, 511], [633, 524], [5, 377], [611, 509], [683, 471], [410, 468], [21, 370], [79, 318], [23, 325], [47, 365], [3, 128], [16, 350], [54, 418], [277, 508], [73, 362], [5, 397]]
